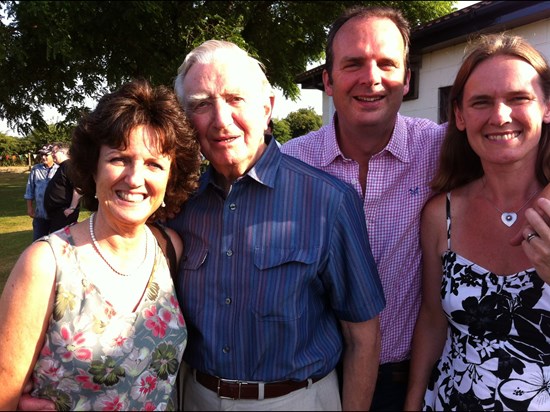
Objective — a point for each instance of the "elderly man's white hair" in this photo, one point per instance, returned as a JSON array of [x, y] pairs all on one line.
[[215, 50]]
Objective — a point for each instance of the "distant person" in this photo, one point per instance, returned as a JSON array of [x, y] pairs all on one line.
[[61, 200], [37, 183]]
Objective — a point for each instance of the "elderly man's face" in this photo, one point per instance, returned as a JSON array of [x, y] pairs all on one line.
[[229, 111], [47, 159]]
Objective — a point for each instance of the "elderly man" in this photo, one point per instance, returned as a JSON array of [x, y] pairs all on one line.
[[277, 277], [37, 182]]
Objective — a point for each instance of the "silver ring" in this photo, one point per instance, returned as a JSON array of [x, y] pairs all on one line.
[[531, 236]]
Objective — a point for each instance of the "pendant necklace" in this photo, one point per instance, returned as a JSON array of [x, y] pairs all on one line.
[[509, 218], [98, 249]]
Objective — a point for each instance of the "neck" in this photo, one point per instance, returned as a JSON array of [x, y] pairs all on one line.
[[509, 195], [360, 144]]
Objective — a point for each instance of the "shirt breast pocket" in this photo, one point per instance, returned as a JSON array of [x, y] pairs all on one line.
[[190, 283], [193, 259], [283, 280]]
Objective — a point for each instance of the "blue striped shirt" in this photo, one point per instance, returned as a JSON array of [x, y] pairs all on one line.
[[268, 271], [37, 183]]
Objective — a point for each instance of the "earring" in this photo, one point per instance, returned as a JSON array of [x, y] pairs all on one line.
[[95, 196], [163, 204]]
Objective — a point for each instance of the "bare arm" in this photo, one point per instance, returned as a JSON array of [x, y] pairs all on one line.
[[74, 203], [431, 326], [25, 308], [361, 359], [30, 208], [176, 241]]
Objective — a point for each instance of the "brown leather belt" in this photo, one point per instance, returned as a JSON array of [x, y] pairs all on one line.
[[235, 389]]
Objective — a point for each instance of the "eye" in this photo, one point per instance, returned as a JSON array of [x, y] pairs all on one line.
[[201, 107], [351, 65], [480, 103], [156, 165], [521, 99], [117, 160], [235, 100], [387, 65]]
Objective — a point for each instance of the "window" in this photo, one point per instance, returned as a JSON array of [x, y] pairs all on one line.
[[443, 105], [413, 84]]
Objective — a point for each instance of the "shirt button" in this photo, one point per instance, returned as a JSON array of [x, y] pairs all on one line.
[[228, 301], [226, 349], [232, 206], [229, 253]]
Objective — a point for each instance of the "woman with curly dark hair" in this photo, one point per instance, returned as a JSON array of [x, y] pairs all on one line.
[[90, 311]]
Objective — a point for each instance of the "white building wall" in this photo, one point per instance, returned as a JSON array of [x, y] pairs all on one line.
[[439, 69]]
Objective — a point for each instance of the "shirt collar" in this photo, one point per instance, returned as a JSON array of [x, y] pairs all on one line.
[[397, 145], [329, 149], [264, 171]]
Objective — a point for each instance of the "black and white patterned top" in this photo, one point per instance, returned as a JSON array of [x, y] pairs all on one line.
[[497, 353]]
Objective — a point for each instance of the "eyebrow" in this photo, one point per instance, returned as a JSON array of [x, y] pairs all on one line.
[[197, 97]]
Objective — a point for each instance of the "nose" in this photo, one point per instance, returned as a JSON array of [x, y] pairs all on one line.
[[134, 175], [370, 73], [222, 114], [501, 114]]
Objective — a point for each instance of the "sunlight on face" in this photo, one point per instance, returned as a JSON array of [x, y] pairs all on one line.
[[131, 183]]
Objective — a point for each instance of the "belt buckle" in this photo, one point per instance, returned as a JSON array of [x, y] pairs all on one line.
[[230, 381]]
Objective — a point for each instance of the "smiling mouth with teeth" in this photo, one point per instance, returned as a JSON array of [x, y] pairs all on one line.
[[128, 197], [503, 136], [369, 99]]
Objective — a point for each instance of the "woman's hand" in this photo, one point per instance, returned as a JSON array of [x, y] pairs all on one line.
[[536, 237]]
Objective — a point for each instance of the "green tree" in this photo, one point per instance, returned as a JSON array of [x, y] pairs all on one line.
[[281, 131], [47, 135], [59, 53], [303, 121]]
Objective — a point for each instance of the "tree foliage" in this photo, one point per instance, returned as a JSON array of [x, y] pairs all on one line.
[[60, 53], [303, 121], [296, 124], [281, 131]]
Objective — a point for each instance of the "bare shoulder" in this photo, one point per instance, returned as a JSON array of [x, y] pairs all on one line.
[[435, 209], [35, 268], [433, 226]]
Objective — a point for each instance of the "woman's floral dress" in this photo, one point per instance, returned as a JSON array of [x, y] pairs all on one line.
[[497, 353], [94, 358]]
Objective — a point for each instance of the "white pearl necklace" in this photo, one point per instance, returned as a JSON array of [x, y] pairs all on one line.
[[98, 249]]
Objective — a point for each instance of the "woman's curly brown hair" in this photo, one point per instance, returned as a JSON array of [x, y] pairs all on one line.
[[134, 104]]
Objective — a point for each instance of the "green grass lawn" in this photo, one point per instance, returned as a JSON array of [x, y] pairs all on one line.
[[15, 225]]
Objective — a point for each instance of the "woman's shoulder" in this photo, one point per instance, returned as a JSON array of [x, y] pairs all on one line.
[[435, 205]]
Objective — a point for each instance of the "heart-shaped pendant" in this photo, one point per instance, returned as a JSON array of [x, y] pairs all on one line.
[[509, 218]]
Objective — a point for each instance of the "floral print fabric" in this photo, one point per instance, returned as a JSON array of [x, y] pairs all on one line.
[[497, 352], [94, 358]]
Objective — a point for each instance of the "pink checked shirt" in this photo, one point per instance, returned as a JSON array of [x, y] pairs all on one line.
[[397, 189]]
